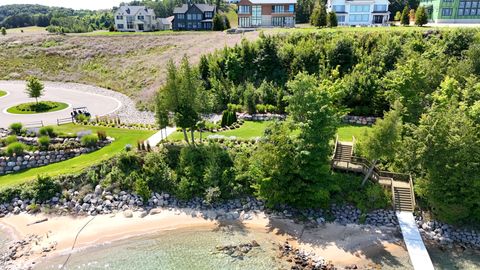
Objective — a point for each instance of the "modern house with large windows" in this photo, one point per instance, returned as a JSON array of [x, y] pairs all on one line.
[[360, 12], [135, 19], [452, 11], [193, 17], [266, 13]]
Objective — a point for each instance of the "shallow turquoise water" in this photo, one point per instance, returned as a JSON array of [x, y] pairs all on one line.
[[187, 249], [179, 249]]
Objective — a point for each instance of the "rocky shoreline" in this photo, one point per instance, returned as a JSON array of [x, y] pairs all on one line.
[[104, 202]]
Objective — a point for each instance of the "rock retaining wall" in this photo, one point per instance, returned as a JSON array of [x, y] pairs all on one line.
[[261, 116], [41, 158], [360, 120], [447, 235]]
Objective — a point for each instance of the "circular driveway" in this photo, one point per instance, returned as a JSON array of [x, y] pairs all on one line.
[[75, 95]]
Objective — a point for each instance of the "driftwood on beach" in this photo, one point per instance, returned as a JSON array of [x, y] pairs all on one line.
[[38, 221]]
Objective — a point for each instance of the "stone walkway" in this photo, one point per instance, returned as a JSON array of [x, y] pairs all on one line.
[[160, 135], [413, 240]]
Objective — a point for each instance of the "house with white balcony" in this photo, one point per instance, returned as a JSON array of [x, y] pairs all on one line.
[[135, 19], [360, 12]]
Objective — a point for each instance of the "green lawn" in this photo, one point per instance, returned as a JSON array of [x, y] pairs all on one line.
[[346, 132], [248, 130], [28, 29], [74, 165], [32, 107], [2, 93], [255, 129]]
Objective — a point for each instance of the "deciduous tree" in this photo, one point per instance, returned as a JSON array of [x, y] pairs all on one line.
[[35, 88]]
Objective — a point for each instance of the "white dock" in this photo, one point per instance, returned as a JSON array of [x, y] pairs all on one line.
[[413, 240]]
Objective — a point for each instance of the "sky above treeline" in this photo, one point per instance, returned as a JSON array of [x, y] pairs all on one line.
[[75, 4]]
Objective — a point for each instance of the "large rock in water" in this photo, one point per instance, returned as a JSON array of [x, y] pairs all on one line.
[[128, 213]]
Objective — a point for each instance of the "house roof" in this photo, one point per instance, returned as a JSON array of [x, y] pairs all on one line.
[[202, 7], [167, 20], [273, 1], [132, 10]]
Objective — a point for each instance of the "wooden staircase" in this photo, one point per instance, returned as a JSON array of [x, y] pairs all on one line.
[[401, 185], [402, 197], [343, 152]]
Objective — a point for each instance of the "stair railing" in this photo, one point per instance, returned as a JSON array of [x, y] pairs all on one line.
[[412, 192]]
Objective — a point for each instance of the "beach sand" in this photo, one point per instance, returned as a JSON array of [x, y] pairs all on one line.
[[342, 245]]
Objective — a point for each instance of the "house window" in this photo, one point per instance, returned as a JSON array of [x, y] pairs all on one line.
[[341, 19], [380, 7], [339, 8], [189, 25], [361, 18], [256, 15], [243, 9], [129, 22], [278, 9], [245, 21], [447, 1], [468, 8], [181, 25], [119, 26], [199, 16], [447, 12], [140, 27], [189, 17], [291, 8], [360, 8], [180, 16], [119, 17], [208, 14], [141, 17]]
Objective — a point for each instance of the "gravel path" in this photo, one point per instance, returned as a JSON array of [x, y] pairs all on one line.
[[100, 101]]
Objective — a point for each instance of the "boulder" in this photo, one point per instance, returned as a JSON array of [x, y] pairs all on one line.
[[128, 213]]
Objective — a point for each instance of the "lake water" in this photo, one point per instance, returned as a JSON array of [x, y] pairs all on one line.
[[195, 249], [179, 249]]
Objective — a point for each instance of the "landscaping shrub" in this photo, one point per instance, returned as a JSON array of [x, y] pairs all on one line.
[[44, 188], [89, 140], [102, 135], [16, 128], [228, 118], [142, 190], [44, 141], [10, 139], [47, 131], [16, 148], [82, 118]]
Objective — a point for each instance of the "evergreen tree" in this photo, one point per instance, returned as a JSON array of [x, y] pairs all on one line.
[[405, 19], [319, 16], [421, 17], [218, 24], [398, 16], [35, 88], [332, 19], [4, 31]]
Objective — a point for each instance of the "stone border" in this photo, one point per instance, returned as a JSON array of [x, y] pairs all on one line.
[[5, 111]]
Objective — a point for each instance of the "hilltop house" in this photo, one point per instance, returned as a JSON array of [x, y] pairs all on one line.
[[266, 13], [450, 11], [193, 17], [360, 12], [135, 19]]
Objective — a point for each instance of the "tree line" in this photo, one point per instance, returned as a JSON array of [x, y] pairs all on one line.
[[431, 126], [56, 19]]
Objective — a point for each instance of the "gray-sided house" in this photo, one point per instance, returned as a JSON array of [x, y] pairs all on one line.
[[193, 17], [135, 19]]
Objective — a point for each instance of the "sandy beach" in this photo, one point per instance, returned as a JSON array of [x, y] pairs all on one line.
[[342, 245]]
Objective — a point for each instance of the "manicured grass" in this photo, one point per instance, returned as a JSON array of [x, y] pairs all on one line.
[[77, 164], [34, 108], [252, 129], [2, 93], [29, 29], [248, 130], [346, 132]]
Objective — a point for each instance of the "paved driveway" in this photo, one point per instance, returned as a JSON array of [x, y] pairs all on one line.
[[75, 95]]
